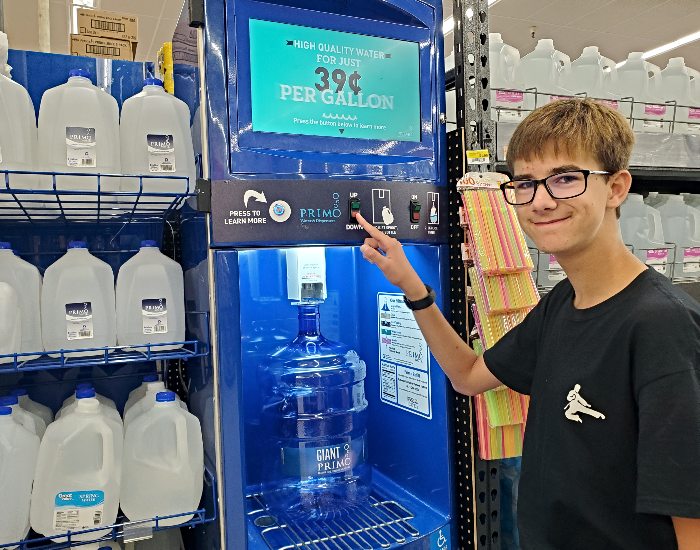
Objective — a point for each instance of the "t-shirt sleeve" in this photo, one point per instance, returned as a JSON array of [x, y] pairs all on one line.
[[513, 358], [667, 373]]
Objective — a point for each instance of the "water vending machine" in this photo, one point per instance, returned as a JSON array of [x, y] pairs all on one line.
[[324, 415]]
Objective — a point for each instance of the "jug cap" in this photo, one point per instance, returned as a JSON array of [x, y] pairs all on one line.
[[8, 400], [5, 246], [149, 244], [153, 82], [19, 392], [78, 72], [150, 378], [84, 386], [165, 396], [77, 244], [5, 411], [85, 393]]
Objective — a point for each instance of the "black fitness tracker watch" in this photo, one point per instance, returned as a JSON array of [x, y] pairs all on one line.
[[428, 301]]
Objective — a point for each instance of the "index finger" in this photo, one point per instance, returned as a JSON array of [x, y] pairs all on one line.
[[381, 238]]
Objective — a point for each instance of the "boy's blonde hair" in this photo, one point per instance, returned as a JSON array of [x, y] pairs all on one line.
[[574, 126]]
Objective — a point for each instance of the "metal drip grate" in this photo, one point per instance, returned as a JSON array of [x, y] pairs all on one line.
[[379, 523]]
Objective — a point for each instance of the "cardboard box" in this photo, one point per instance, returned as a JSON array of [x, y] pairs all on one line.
[[105, 48], [107, 25]]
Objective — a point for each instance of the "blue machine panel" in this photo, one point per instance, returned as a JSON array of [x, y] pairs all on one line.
[[239, 151]]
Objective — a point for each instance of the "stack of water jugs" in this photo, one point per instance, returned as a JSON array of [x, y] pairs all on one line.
[[74, 473], [76, 306], [552, 75], [79, 132]]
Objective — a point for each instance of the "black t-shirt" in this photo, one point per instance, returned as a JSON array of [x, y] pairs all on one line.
[[612, 444]]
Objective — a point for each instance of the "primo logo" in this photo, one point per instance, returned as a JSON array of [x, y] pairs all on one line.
[[322, 215]]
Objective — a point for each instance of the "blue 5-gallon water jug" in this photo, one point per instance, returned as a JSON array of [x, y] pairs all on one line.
[[315, 419]]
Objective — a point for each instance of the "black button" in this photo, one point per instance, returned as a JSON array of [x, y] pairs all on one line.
[[414, 211], [353, 208]]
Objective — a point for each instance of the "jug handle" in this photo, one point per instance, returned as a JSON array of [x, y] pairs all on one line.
[[183, 452], [107, 454]]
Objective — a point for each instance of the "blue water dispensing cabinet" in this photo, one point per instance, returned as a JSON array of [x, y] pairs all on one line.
[[332, 422]]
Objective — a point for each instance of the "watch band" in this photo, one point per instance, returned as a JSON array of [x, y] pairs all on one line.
[[423, 303]]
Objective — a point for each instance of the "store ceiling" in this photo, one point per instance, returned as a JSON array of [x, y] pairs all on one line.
[[617, 27]]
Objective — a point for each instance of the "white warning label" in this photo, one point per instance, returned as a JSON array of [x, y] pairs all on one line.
[[404, 358]]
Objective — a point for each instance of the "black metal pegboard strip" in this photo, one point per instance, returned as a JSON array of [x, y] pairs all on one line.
[[474, 117]]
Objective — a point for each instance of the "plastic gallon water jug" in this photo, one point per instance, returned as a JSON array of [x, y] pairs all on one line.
[[641, 227], [78, 474], [18, 455], [156, 141], [168, 539], [147, 401], [30, 421], [506, 96], [588, 74], [18, 149], [315, 419], [138, 392], [89, 393], [650, 114], [79, 132], [26, 280], [77, 303], [42, 411], [681, 225], [10, 323], [104, 401], [150, 300], [543, 68], [675, 85], [163, 463]]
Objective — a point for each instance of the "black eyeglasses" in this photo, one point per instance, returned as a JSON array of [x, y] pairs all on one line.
[[565, 185]]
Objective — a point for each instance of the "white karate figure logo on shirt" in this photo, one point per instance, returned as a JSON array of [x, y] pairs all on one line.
[[577, 404]]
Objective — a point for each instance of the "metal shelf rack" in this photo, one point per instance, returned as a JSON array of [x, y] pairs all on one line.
[[130, 531]]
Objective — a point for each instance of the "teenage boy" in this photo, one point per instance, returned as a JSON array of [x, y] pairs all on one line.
[[610, 357]]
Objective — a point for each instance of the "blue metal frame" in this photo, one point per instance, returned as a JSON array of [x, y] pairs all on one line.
[[238, 153]]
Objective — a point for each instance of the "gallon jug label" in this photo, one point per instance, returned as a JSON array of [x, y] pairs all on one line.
[[657, 110], [80, 147], [404, 358], [77, 510], [691, 260], [155, 316], [554, 271], [161, 153], [657, 258], [509, 96], [309, 462], [79, 321], [694, 113], [609, 103]]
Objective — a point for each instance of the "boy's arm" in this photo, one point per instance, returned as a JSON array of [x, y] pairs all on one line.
[[467, 372], [687, 533]]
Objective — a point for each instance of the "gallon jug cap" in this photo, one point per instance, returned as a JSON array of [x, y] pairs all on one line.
[[5, 246], [84, 386], [77, 244], [150, 378], [165, 396], [85, 393], [149, 244], [18, 392], [545, 43], [676, 62], [635, 55], [496, 36], [5, 411], [8, 400], [153, 82], [78, 72]]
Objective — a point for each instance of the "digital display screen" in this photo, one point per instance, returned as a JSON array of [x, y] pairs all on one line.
[[316, 82]]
